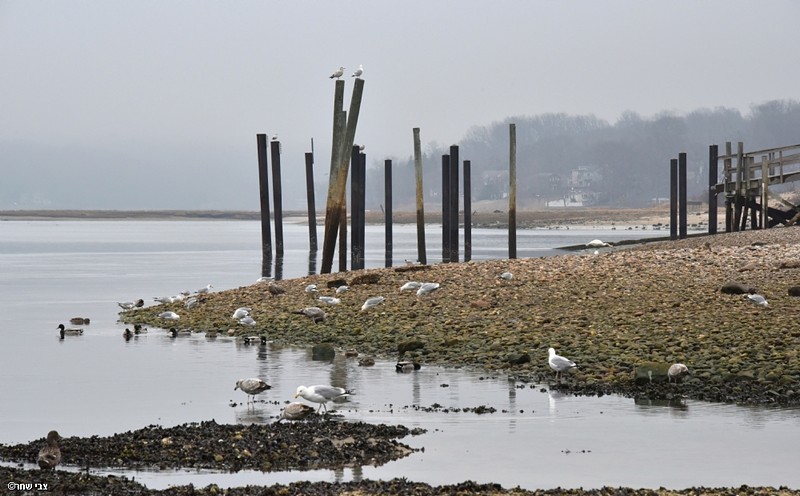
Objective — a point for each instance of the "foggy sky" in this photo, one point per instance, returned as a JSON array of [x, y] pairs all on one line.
[[159, 102]]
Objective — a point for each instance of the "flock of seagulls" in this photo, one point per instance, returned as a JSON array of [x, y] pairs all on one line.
[[340, 72]]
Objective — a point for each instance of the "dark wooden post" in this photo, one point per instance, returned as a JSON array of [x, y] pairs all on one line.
[[263, 183], [712, 188], [445, 208], [673, 199], [277, 197], [737, 194], [512, 191], [338, 179], [312, 208], [727, 165], [342, 236], [467, 211], [421, 256], [682, 212], [452, 237], [357, 209], [387, 210]]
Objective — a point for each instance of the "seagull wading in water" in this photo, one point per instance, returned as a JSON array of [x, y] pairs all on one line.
[[321, 394], [559, 363], [252, 387]]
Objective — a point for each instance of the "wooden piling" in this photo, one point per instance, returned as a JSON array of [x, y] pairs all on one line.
[[727, 165], [342, 236], [738, 200], [712, 192], [357, 159], [673, 199], [512, 191], [263, 183], [421, 256], [277, 196], [339, 169], [387, 210], [445, 208], [682, 203], [311, 201], [452, 236], [764, 193], [467, 210]]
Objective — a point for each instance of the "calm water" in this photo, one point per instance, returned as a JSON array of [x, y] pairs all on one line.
[[99, 384]]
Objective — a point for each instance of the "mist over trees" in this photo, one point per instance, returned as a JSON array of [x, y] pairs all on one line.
[[624, 164]]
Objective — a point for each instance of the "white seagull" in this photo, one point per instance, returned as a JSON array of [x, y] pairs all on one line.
[[321, 394], [296, 411], [314, 313], [427, 288], [358, 72], [758, 299], [676, 372], [311, 288], [410, 285], [342, 289], [337, 73], [126, 305], [506, 276], [241, 313], [204, 290], [252, 387], [372, 302], [330, 300], [169, 316], [596, 243], [559, 363], [191, 303], [248, 321]]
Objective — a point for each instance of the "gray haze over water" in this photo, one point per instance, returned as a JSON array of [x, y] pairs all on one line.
[[147, 105]]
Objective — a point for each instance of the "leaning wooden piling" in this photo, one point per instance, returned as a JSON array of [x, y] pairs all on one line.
[[452, 236], [682, 204], [387, 211], [277, 196], [312, 207], [467, 210], [263, 184], [421, 256], [713, 153], [512, 191], [445, 208], [673, 199]]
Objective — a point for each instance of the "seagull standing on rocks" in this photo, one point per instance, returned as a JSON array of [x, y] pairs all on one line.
[[559, 363], [204, 290], [314, 313], [296, 411], [506, 276], [252, 387], [275, 290], [169, 316], [372, 302], [337, 73], [241, 313], [758, 299], [410, 285], [427, 288], [321, 394], [676, 372]]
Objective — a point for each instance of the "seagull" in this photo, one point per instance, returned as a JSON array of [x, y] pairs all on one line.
[[248, 321], [164, 299], [758, 299], [275, 290], [427, 288], [241, 312], [596, 243], [311, 288], [50, 455], [358, 72], [315, 313], [252, 387], [677, 371], [126, 305], [559, 363], [330, 300], [337, 73], [191, 303], [506, 276], [371, 302], [263, 279], [296, 411], [321, 394], [204, 290], [342, 288], [169, 315], [65, 331], [410, 285]]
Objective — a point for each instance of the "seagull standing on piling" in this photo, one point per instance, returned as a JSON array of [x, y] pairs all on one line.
[[337, 73], [358, 72]]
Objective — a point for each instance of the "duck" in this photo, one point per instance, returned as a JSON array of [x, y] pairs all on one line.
[[65, 331], [79, 321], [139, 329], [366, 361], [179, 332], [50, 455], [127, 334], [406, 366]]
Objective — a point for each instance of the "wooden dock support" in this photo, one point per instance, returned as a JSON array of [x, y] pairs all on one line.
[[467, 210], [512, 191], [312, 207], [263, 184], [712, 191], [673, 199], [387, 211], [452, 236], [445, 208], [357, 202], [727, 171], [421, 256], [277, 196], [738, 200], [682, 204]]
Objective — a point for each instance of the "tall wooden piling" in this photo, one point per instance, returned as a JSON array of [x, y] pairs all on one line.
[[387, 210], [311, 201], [339, 170], [764, 193], [738, 202], [357, 184], [277, 196], [512, 191], [342, 236], [727, 165], [673, 199], [682, 204], [452, 237], [713, 153], [421, 256], [445, 208], [467, 210], [263, 184]]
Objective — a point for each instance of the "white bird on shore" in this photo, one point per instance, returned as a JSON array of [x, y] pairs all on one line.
[[241, 313], [358, 72], [126, 305], [314, 313], [758, 299], [204, 290], [372, 302], [676, 372], [191, 303], [596, 243], [342, 289], [410, 285], [311, 288], [296, 411], [427, 288], [330, 300], [559, 363], [169, 316], [248, 321], [337, 73], [506, 276], [321, 394], [252, 387], [164, 299]]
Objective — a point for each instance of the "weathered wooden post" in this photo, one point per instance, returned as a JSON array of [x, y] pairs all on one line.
[[712, 188], [764, 193], [673, 199], [727, 166], [737, 198], [421, 256], [445, 208], [339, 170], [312, 208], [263, 183], [682, 205], [387, 210], [277, 196], [357, 209], [512, 191], [343, 235], [467, 210], [452, 237]]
